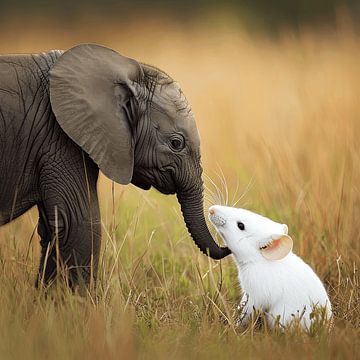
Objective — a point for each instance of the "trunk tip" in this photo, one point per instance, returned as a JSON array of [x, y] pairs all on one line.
[[217, 254]]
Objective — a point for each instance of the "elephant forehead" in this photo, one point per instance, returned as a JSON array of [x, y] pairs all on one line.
[[172, 100], [169, 122], [171, 108]]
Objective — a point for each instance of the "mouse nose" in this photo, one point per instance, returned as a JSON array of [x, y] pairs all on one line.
[[211, 211]]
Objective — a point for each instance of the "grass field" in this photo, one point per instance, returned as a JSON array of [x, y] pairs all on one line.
[[280, 126]]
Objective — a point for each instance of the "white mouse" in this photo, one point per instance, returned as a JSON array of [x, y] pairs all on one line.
[[273, 279]]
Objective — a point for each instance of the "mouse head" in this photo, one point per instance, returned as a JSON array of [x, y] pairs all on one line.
[[251, 237]]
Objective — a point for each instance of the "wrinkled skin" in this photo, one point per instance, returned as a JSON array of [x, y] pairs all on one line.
[[64, 116]]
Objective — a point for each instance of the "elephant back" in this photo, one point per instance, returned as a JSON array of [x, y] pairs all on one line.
[[23, 79]]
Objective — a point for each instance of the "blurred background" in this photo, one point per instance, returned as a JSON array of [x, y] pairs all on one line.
[[257, 15], [275, 88]]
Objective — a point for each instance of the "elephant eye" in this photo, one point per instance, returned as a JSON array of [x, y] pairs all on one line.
[[177, 143]]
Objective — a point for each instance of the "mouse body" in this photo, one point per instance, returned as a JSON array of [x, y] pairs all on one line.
[[274, 280]]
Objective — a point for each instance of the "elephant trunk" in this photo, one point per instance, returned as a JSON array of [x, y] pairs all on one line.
[[191, 202]]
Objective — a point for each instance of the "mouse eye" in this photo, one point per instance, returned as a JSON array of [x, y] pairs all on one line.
[[241, 226]]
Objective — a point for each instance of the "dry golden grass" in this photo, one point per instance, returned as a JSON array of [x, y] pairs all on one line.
[[280, 122]]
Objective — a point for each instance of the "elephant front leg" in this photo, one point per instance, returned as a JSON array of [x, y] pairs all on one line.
[[70, 244], [69, 227]]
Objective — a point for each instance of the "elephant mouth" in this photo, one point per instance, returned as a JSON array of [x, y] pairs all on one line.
[[140, 181], [162, 181]]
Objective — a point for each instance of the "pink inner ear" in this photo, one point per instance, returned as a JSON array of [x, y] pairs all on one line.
[[278, 249], [275, 244]]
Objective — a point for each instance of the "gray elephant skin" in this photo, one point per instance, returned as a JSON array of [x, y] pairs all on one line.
[[66, 114]]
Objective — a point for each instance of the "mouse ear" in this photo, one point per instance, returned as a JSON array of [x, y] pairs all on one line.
[[280, 246]]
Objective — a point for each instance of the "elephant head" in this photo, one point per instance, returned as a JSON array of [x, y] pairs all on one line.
[[136, 124]]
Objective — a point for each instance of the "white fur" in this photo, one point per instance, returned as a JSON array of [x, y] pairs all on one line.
[[287, 288]]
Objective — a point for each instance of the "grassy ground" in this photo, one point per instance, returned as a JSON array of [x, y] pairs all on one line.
[[280, 125]]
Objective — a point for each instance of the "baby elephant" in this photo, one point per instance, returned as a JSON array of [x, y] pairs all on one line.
[[274, 280]]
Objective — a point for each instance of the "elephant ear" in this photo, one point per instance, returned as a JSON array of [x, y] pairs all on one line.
[[90, 88]]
